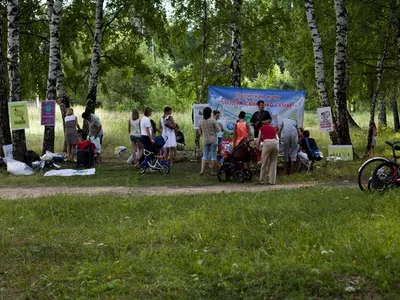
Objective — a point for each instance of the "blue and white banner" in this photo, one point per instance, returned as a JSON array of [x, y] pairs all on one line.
[[280, 104]]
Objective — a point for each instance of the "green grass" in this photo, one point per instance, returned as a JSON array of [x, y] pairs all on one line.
[[303, 244], [113, 172]]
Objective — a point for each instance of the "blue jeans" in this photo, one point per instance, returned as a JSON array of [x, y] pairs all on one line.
[[210, 149]]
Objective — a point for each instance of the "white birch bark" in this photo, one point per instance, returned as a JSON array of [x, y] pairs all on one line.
[[54, 56], [5, 132], [318, 54], [339, 85], [19, 142], [236, 46], [95, 62]]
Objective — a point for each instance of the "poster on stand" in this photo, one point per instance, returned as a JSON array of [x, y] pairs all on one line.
[[18, 112], [324, 116], [198, 114], [48, 116]]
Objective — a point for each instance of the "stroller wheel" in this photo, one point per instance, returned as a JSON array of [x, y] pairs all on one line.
[[247, 174], [142, 169], [164, 168], [219, 173], [239, 176]]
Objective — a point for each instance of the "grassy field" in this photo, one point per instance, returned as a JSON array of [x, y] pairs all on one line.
[[303, 244], [114, 172]]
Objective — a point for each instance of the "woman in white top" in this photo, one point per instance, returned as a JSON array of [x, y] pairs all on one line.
[[146, 130], [135, 135], [168, 126]]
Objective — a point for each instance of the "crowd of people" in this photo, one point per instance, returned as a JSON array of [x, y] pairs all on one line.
[[270, 140]]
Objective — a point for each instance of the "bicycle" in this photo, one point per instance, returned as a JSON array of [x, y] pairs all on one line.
[[386, 176], [153, 162], [366, 170]]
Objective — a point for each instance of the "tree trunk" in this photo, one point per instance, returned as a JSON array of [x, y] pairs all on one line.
[[95, 62], [395, 109], [379, 72], [352, 122], [62, 99], [5, 132], [18, 136], [203, 50], [382, 121], [236, 46], [339, 86], [54, 55], [319, 63]]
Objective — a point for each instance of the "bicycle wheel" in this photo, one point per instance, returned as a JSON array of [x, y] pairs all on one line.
[[164, 168], [384, 175], [142, 169], [365, 172]]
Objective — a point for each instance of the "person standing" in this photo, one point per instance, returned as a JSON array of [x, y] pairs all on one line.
[[71, 124], [270, 151], [241, 130], [95, 126], [135, 136], [220, 134], [260, 118], [95, 132], [146, 130], [289, 133], [208, 129], [168, 126]]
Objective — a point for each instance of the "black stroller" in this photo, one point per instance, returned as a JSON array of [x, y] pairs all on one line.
[[232, 163]]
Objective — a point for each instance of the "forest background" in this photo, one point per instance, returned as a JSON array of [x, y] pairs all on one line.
[[157, 53]]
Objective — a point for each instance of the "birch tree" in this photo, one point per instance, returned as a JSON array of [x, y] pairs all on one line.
[[319, 63], [18, 136], [236, 45], [5, 133], [54, 55], [382, 120], [394, 107], [203, 49], [95, 62], [343, 133]]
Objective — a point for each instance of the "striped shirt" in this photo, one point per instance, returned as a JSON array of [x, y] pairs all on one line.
[[209, 129]]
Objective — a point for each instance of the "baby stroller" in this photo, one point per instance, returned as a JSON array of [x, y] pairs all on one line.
[[152, 161], [232, 163]]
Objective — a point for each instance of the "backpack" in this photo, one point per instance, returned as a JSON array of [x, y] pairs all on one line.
[[313, 151]]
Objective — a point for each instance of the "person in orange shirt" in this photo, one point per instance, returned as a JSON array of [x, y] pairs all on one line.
[[241, 130]]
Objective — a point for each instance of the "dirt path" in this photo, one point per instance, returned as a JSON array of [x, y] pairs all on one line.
[[23, 192]]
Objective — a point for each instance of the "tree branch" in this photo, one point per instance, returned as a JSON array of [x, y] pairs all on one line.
[[34, 34], [90, 28]]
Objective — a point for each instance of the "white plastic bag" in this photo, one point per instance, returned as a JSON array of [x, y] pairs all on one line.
[[16, 167], [47, 156], [96, 142]]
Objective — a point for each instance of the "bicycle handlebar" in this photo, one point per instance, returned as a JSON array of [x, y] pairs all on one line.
[[393, 144]]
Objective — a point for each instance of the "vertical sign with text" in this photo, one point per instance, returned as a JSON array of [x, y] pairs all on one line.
[[18, 112], [48, 116]]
